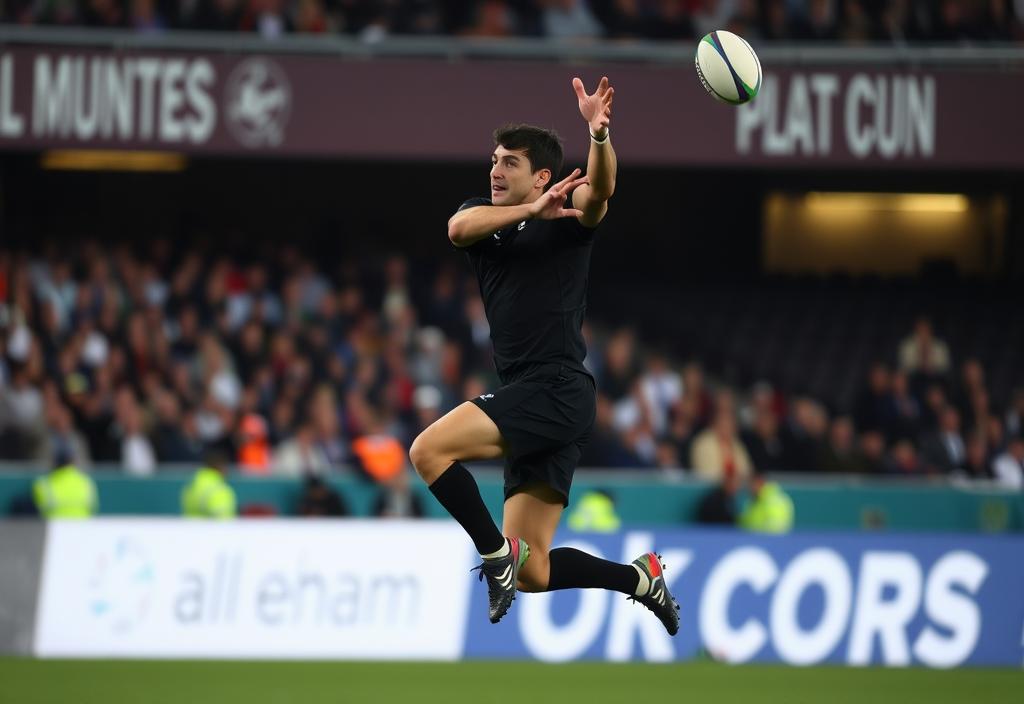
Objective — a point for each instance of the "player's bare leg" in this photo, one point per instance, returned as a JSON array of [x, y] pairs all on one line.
[[534, 512], [467, 433], [463, 434]]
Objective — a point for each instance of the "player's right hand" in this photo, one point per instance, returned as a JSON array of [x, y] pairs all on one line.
[[597, 107], [550, 206]]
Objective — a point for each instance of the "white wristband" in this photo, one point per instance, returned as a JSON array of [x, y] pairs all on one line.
[[595, 140]]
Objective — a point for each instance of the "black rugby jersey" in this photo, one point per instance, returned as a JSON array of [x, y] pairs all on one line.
[[533, 278]]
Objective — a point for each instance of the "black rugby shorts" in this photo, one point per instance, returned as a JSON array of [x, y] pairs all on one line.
[[545, 418]]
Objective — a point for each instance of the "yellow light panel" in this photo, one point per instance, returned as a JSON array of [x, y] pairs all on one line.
[[111, 160], [903, 202]]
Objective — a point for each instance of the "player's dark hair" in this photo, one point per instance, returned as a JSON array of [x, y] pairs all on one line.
[[543, 147]]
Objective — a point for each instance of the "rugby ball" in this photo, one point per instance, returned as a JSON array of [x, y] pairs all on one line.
[[727, 67]]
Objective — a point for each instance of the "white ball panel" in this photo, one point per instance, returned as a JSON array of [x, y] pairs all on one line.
[[716, 71], [741, 56]]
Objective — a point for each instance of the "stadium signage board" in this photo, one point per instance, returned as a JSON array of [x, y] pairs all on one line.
[[896, 600], [253, 589], [333, 589], [811, 115], [196, 102]]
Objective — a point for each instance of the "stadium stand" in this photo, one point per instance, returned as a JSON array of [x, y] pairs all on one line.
[[821, 335], [844, 21], [146, 355]]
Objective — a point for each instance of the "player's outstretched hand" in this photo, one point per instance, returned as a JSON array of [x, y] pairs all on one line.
[[550, 206], [597, 108]]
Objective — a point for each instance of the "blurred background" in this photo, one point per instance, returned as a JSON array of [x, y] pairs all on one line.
[[226, 290]]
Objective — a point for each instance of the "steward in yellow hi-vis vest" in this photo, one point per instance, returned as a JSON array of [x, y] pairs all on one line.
[[208, 495], [65, 492], [770, 511], [595, 513]]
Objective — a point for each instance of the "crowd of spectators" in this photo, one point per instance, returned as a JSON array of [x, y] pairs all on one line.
[[915, 418], [153, 355], [848, 21]]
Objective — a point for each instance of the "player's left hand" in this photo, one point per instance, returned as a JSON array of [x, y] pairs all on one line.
[[551, 205], [596, 108]]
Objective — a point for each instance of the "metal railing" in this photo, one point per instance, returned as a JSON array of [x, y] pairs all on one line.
[[648, 476], [520, 48]]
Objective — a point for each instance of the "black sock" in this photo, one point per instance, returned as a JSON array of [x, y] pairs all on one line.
[[458, 493], [572, 568]]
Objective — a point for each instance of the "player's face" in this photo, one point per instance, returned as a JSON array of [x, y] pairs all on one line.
[[512, 178]]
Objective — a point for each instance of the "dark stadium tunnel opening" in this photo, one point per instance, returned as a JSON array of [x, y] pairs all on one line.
[[664, 221], [673, 224]]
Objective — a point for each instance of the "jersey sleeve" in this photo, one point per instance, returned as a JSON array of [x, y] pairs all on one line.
[[473, 202], [576, 229]]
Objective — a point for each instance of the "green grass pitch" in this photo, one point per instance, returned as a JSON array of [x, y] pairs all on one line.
[[114, 682]]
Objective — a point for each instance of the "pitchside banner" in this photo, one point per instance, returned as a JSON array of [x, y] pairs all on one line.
[[936, 600], [403, 590], [433, 109], [253, 589]]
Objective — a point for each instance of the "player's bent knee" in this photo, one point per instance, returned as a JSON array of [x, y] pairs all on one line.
[[422, 456]]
